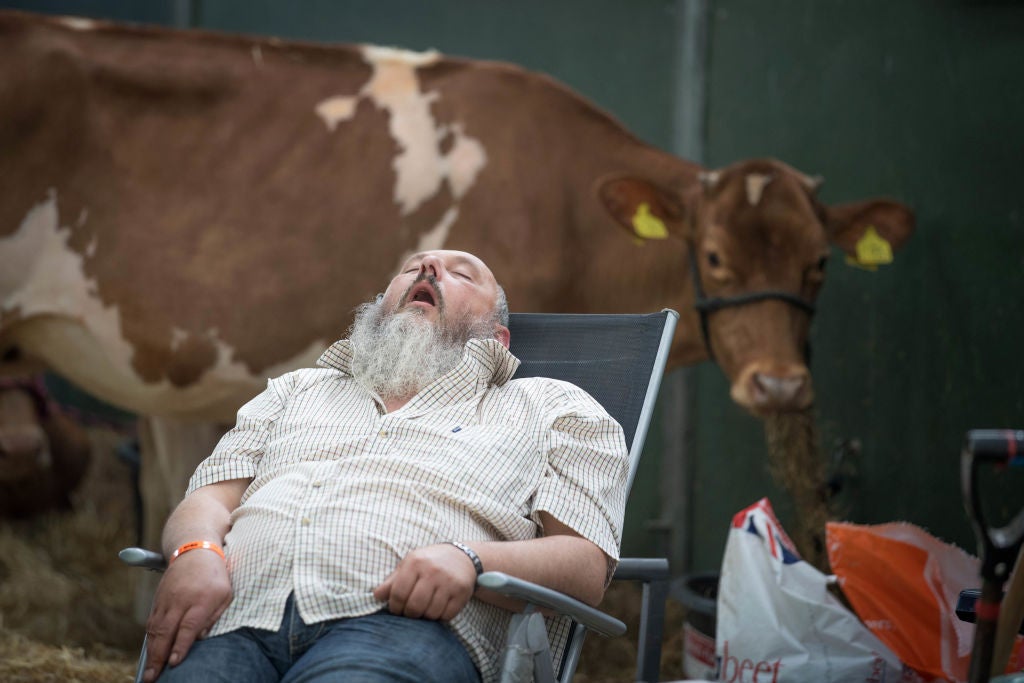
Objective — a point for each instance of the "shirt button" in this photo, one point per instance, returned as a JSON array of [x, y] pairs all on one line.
[[383, 432], [317, 484], [305, 521]]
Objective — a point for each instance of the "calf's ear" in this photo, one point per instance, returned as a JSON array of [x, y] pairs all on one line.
[[642, 208], [869, 231]]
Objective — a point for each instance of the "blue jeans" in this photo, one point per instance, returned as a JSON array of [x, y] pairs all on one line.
[[377, 648]]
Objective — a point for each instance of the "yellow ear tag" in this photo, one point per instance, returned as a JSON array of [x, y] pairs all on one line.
[[647, 225], [872, 250]]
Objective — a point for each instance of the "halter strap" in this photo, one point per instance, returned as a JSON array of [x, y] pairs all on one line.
[[706, 306]]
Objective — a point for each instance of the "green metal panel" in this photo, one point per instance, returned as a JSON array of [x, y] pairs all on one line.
[[923, 101], [150, 12]]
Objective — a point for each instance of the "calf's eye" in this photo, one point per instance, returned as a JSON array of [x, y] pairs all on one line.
[[713, 260]]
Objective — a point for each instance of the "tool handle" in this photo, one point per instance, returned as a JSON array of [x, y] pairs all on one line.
[[1004, 446], [996, 448], [987, 612], [1011, 614]]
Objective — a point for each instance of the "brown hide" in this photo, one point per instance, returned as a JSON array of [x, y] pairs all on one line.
[[212, 207], [43, 453]]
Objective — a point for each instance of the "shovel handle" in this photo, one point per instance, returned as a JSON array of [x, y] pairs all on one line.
[[998, 446], [998, 546], [1011, 614]]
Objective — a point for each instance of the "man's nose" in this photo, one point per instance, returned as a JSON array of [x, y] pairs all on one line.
[[432, 265]]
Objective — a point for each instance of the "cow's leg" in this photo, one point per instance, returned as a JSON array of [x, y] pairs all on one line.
[[169, 451]]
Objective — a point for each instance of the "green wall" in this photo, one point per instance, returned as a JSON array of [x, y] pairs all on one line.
[[923, 101]]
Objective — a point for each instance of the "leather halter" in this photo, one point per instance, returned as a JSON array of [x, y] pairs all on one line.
[[706, 306]]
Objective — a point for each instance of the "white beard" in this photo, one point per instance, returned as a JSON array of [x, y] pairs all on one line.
[[396, 354]]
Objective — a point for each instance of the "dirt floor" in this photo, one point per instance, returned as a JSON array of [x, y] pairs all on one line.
[[66, 601]]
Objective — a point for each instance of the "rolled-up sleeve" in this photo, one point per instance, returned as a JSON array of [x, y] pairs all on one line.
[[238, 454], [584, 485]]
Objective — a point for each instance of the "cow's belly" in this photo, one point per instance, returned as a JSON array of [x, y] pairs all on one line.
[[80, 354]]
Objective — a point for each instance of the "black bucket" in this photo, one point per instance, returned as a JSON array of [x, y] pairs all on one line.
[[698, 593]]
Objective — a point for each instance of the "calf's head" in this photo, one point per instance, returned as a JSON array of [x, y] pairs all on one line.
[[24, 446], [758, 244], [43, 453]]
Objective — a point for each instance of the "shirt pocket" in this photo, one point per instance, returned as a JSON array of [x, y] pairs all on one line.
[[497, 465]]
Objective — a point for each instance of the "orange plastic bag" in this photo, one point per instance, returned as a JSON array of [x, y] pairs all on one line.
[[904, 583], [777, 622]]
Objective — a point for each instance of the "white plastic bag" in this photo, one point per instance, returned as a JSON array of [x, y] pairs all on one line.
[[778, 623]]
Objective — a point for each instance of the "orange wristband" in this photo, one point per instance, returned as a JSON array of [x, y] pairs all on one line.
[[195, 545]]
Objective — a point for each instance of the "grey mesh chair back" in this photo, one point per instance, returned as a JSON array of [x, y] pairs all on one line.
[[618, 359]]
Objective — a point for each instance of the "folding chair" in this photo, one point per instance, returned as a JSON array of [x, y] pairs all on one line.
[[619, 359]]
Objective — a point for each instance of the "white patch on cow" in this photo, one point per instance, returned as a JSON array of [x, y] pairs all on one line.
[[18, 250], [44, 276], [395, 88], [228, 367], [709, 179], [63, 322], [334, 110], [257, 55], [756, 183], [420, 167], [380, 53], [464, 162], [178, 337], [77, 23]]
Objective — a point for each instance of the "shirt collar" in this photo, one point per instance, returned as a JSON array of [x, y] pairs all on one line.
[[484, 362]]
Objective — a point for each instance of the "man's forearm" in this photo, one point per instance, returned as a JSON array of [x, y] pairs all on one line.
[[203, 515], [568, 564], [561, 559]]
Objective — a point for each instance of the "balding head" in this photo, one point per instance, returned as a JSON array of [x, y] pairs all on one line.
[[446, 285]]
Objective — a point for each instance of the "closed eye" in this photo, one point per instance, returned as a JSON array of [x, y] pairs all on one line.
[[816, 273], [464, 276]]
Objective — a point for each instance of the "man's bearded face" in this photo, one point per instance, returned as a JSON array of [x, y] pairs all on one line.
[[399, 350]]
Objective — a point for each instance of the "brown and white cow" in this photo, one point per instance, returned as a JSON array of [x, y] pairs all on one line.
[[183, 213]]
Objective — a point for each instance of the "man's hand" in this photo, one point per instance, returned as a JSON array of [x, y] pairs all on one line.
[[194, 592], [433, 582]]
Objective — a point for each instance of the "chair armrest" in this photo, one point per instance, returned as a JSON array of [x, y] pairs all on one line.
[[642, 569], [593, 619], [140, 557], [654, 574]]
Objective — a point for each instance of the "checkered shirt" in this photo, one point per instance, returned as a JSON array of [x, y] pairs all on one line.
[[341, 490]]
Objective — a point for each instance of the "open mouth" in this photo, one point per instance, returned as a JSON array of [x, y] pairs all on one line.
[[422, 292]]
